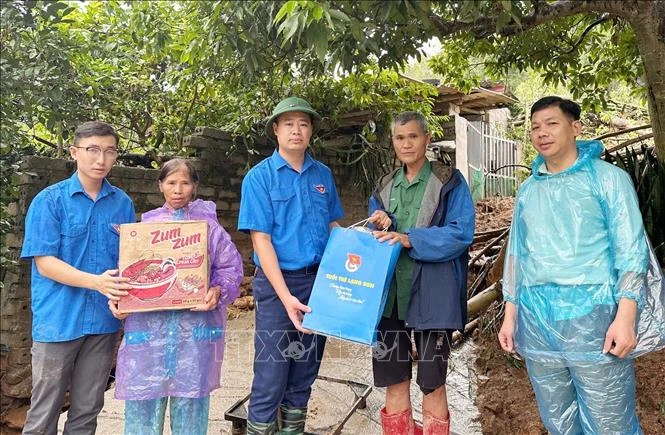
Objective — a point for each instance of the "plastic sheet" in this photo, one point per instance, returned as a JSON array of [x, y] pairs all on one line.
[[651, 321]]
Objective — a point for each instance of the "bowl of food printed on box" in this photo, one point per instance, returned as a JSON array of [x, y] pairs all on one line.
[[150, 278]]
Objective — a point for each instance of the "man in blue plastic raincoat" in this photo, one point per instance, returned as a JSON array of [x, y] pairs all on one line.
[[574, 279]]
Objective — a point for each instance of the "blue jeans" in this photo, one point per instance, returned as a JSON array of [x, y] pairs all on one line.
[[286, 362], [189, 416], [586, 398]]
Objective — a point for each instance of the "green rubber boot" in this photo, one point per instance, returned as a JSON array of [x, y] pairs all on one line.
[[254, 428], [292, 420]]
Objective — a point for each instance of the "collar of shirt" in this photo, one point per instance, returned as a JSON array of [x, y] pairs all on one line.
[[182, 211], [423, 175], [75, 186], [280, 162]]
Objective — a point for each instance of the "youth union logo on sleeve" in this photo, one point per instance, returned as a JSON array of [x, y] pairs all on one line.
[[320, 188], [353, 262]]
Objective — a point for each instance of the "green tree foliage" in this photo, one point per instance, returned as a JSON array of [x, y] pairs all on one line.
[[156, 69], [32, 61], [35, 71], [584, 54], [582, 45], [648, 176], [63, 64]]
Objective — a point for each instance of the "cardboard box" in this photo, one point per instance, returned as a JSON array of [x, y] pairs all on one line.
[[167, 263]]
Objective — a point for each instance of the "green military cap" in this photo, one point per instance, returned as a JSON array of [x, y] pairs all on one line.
[[292, 104]]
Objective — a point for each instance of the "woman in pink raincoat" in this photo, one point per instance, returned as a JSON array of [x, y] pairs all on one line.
[[177, 355]]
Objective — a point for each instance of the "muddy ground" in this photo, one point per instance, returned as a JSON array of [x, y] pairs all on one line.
[[493, 213]]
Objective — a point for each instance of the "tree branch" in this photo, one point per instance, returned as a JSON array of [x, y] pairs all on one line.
[[542, 12], [44, 141], [129, 139], [189, 110], [602, 19], [137, 159]]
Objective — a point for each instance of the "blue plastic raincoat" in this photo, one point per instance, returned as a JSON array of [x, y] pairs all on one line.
[[577, 246]]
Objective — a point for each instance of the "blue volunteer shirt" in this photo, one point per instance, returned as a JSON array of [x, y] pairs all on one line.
[[64, 222], [295, 208]]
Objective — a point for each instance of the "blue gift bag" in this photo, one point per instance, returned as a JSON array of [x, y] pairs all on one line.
[[351, 286]]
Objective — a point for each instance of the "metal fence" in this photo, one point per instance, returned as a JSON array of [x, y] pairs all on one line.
[[490, 156]]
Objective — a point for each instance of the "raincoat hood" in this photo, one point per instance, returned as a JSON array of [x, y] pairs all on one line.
[[587, 151], [203, 209]]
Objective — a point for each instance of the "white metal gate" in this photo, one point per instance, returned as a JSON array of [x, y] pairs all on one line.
[[494, 156]]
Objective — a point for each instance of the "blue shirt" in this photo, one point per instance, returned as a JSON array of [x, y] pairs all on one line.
[[295, 208], [64, 222]]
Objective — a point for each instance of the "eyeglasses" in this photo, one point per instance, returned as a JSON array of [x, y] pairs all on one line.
[[95, 152]]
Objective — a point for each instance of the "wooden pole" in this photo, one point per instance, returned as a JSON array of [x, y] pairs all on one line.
[[479, 303]]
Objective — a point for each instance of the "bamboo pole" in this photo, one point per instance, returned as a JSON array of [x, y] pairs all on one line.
[[620, 132], [475, 306], [630, 142], [488, 235], [496, 271], [479, 303], [459, 336]]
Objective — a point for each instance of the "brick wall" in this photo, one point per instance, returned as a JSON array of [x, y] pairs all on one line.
[[222, 165]]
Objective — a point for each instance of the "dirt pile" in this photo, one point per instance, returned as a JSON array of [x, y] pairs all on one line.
[[493, 213], [244, 302]]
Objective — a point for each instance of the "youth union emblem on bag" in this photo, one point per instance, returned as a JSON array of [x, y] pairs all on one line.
[[353, 262]]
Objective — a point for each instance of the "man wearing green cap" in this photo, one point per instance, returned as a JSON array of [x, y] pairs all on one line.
[[288, 204]]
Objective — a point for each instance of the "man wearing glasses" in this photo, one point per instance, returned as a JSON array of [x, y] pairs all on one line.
[[69, 237]]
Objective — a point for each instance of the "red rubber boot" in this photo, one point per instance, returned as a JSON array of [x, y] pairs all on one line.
[[400, 423], [435, 426]]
